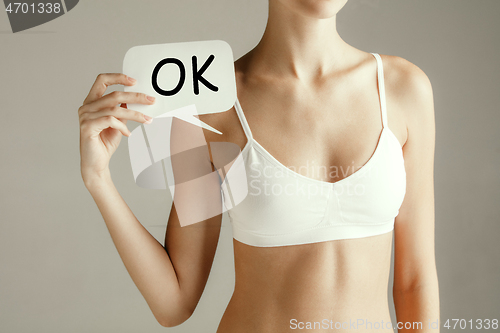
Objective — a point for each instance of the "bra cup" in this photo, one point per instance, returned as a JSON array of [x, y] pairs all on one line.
[[278, 202], [376, 195]]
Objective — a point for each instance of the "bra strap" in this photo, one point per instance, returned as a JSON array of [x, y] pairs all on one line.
[[243, 120], [381, 88]]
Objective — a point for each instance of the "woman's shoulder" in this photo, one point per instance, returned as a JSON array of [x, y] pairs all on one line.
[[401, 72], [405, 79], [408, 88]]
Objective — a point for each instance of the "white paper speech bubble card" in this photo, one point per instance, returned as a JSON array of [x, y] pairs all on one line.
[[181, 74]]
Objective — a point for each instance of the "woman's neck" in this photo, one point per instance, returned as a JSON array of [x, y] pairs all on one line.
[[297, 46]]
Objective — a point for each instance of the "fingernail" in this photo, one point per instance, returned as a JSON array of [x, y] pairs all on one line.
[[129, 134], [151, 98], [131, 79], [149, 120]]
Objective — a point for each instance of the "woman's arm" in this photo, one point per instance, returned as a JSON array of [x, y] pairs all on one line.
[[171, 287], [150, 264], [415, 290]]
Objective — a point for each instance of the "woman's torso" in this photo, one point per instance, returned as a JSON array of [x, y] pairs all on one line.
[[337, 122]]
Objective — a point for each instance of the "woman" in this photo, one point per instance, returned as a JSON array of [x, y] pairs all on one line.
[[309, 98]]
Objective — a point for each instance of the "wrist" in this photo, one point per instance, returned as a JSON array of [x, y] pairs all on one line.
[[97, 180]]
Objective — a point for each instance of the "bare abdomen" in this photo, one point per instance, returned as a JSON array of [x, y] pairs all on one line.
[[315, 287]]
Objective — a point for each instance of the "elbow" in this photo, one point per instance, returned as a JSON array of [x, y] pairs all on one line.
[[403, 292], [408, 287], [178, 309], [416, 286], [415, 280], [174, 319]]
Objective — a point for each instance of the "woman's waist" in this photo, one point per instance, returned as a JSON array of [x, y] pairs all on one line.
[[328, 296], [329, 311]]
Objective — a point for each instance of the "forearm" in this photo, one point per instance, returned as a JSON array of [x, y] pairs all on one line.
[[417, 304], [145, 259]]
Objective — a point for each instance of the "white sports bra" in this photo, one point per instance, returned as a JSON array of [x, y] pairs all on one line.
[[284, 207]]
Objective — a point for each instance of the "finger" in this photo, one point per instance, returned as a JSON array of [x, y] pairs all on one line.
[[123, 105], [120, 113], [119, 97], [103, 81], [94, 127]]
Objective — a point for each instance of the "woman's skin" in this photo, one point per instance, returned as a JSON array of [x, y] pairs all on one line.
[[307, 96]]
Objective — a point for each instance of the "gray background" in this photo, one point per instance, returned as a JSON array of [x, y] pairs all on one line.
[[59, 269]]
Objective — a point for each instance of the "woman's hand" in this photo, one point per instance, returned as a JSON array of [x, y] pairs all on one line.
[[103, 122]]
